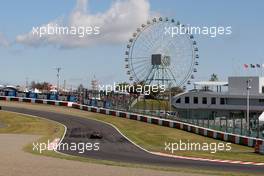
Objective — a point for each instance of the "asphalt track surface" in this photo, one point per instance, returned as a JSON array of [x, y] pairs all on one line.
[[114, 147]]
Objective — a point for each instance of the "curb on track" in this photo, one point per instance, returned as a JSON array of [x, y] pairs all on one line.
[[150, 152]]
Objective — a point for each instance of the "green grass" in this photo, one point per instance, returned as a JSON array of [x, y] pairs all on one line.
[[151, 137], [152, 105], [17, 123], [22, 124]]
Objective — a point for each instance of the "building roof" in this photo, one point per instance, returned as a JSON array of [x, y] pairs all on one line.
[[211, 83]]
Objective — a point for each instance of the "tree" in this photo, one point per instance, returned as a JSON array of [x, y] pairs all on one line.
[[214, 77], [33, 85], [40, 85], [176, 90], [80, 88]]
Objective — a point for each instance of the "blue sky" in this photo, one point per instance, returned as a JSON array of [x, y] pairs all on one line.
[[223, 55]]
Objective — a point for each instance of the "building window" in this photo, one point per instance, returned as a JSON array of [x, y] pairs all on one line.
[[222, 101], [204, 100], [261, 101], [213, 100], [195, 100], [178, 100], [262, 89], [187, 100]]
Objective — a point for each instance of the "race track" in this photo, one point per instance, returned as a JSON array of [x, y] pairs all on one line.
[[114, 147]]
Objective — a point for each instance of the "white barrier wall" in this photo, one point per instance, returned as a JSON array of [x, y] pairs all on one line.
[[233, 138]]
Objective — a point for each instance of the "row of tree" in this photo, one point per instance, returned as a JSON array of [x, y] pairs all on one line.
[[173, 90], [40, 85]]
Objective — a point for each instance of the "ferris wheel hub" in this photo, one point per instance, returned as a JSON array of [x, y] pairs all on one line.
[[159, 59]]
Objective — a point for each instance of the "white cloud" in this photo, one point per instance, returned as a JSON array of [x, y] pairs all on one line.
[[116, 25], [3, 41]]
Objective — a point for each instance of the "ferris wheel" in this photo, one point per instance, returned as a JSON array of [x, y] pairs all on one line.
[[154, 57]]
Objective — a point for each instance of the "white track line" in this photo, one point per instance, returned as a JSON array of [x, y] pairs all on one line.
[[43, 118], [153, 153], [181, 157]]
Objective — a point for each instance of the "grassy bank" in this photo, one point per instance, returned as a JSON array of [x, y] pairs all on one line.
[[153, 137], [22, 124], [14, 123], [152, 105]]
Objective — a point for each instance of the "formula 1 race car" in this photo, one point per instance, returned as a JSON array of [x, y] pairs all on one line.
[[96, 135]]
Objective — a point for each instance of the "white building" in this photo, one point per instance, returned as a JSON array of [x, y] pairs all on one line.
[[222, 99]]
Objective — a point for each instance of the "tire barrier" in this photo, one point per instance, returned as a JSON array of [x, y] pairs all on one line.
[[37, 101], [228, 137], [259, 148]]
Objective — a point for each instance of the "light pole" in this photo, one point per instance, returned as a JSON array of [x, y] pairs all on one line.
[[248, 91], [26, 84], [170, 96], [58, 78]]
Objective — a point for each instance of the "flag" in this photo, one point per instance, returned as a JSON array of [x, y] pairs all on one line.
[[246, 65], [258, 65], [252, 66]]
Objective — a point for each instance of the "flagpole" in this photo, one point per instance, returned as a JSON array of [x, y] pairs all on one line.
[[246, 67], [262, 68]]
